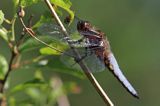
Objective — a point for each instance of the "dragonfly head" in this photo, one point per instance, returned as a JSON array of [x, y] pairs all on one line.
[[87, 30], [83, 26]]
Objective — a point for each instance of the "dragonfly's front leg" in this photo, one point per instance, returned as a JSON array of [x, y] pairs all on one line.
[[82, 42], [71, 41], [89, 50], [87, 53]]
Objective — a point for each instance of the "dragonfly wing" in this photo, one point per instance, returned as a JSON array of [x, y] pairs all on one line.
[[94, 63], [51, 30], [114, 68], [91, 60], [55, 32], [69, 60]]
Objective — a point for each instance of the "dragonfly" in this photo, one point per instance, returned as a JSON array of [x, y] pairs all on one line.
[[95, 49]]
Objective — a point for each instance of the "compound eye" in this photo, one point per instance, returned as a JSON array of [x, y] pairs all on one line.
[[83, 25], [86, 24]]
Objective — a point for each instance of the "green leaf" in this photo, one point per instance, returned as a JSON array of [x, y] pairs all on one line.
[[45, 17], [26, 3], [3, 67], [38, 75], [31, 43], [32, 83], [34, 93], [49, 51], [1, 17], [3, 33], [62, 3], [15, 2], [56, 64], [65, 4], [12, 101]]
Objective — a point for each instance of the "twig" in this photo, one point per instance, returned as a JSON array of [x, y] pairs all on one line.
[[86, 70], [32, 34], [2, 82], [24, 31], [9, 69], [15, 57]]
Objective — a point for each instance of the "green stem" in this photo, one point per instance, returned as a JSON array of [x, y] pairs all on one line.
[[13, 29], [3, 33], [7, 21]]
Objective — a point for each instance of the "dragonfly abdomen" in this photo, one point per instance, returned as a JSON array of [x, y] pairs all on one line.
[[112, 65]]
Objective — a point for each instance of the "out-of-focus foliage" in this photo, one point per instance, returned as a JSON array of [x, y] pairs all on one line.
[[37, 90], [132, 27], [3, 31], [45, 17], [26, 3], [3, 67], [66, 5], [1, 17], [15, 3], [31, 44], [40, 92]]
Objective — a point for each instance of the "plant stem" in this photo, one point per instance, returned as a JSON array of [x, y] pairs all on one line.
[[86, 70], [2, 82], [13, 29]]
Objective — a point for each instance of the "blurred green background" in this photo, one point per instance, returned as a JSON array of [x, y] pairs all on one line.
[[133, 28]]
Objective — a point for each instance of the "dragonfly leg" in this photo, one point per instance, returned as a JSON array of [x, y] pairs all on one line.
[[80, 40], [88, 52], [69, 40]]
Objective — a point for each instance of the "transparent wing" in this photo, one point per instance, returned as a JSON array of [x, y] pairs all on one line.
[[55, 32], [91, 60], [52, 30]]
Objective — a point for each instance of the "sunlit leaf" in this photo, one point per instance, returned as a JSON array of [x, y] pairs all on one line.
[[32, 83], [26, 3], [62, 3], [3, 33], [3, 66], [15, 2], [38, 75], [49, 51], [1, 17], [31, 43], [34, 93], [45, 17], [12, 101], [65, 4]]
